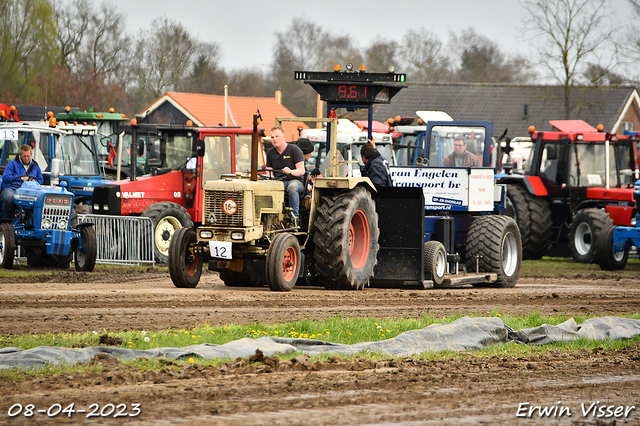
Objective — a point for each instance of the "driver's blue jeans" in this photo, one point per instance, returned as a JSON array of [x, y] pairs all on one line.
[[7, 202], [294, 190]]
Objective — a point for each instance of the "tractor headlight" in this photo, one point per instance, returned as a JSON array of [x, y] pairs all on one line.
[[105, 207], [633, 221], [62, 224], [237, 235], [205, 235], [46, 223]]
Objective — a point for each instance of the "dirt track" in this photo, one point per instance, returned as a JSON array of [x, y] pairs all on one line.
[[467, 391]]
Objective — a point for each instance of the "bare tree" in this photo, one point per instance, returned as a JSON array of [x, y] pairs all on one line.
[[574, 34], [105, 50], [482, 61], [381, 55], [165, 55], [73, 25], [422, 52]]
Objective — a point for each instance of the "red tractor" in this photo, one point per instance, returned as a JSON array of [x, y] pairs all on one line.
[[577, 182], [170, 191]]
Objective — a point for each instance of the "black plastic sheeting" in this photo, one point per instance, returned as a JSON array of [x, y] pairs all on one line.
[[463, 334]]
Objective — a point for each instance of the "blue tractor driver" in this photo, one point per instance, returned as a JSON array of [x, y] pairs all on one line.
[[20, 169]]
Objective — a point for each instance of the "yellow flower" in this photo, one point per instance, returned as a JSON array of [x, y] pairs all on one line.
[[213, 332], [153, 335], [191, 360], [498, 315], [193, 336], [187, 332], [388, 331]]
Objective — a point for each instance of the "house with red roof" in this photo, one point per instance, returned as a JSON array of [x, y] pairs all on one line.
[[209, 110]]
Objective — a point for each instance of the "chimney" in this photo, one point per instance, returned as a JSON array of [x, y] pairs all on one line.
[[279, 97]]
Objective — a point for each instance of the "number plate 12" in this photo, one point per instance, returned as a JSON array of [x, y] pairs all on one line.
[[220, 249]]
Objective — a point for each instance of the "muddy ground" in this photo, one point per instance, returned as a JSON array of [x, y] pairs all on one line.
[[471, 390]]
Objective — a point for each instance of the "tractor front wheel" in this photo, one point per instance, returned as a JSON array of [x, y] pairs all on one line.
[[608, 259], [85, 258], [7, 245], [283, 262], [584, 231], [185, 264]]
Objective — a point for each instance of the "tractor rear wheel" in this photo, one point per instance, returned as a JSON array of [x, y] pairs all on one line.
[[346, 239], [167, 218], [518, 209], [185, 265], [7, 245], [252, 275], [584, 231], [494, 243], [540, 228], [606, 257], [435, 261], [283, 262], [85, 258]]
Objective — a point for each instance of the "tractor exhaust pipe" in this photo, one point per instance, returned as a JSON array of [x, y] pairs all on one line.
[[255, 145]]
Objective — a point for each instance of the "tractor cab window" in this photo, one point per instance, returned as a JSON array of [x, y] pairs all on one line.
[[549, 162], [441, 143], [406, 149], [243, 154], [179, 149], [217, 157], [77, 155], [11, 148], [588, 165], [625, 160]]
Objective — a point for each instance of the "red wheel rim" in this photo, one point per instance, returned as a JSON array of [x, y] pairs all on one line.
[[359, 239], [192, 267], [289, 264]]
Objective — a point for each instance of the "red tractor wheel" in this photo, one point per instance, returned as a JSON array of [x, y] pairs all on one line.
[[283, 262]]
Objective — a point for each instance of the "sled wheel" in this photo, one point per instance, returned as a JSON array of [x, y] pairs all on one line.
[[435, 261], [346, 239], [584, 231], [494, 242], [608, 259], [283, 262], [7, 245], [167, 218], [85, 258], [185, 263]]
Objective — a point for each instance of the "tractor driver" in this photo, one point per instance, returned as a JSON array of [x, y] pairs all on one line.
[[20, 169], [289, 160], [460, 157]]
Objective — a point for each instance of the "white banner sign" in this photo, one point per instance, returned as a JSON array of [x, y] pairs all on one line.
[[9, 134], [449, 188]]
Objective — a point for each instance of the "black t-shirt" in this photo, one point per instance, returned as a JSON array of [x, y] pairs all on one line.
[[289, 157]]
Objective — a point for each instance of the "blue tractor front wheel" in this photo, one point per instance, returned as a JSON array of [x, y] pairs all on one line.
[[7, 245]]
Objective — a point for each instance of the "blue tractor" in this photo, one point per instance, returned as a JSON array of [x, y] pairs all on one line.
[[42, 226], [614, 244]]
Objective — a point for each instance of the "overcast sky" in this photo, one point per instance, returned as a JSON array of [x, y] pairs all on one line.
[[245, 29]]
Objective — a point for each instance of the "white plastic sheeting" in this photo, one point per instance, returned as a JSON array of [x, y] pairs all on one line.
[[463, 334]]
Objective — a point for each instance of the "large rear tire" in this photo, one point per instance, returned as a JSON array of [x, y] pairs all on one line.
[[586, 225], [540, 228], [605, 256], [85, 259], [346, 240], [435, 261], [167, 218], [7, 245], [518, 209], [494, 242], [185, 266], [283, 262]]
